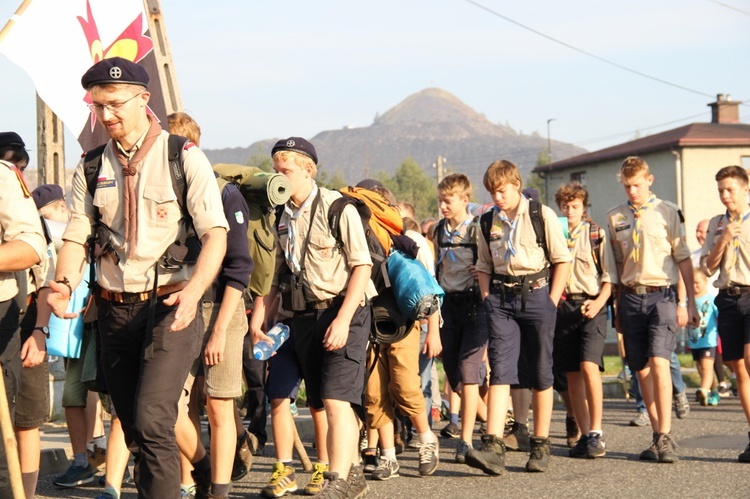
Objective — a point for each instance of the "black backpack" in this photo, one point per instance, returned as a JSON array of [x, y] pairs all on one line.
[[537, 221], [471, 232]]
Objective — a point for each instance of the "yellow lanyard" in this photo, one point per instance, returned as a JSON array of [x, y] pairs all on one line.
[[637, 213], [736, 239]]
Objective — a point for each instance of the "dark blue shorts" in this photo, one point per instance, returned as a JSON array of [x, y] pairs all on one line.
[[284, 373], [649, 324], [578, 339], [734, 324], [463, 342], [703, 353], [508, 328]]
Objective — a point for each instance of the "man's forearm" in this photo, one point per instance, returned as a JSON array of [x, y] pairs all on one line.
[[71, 263], [17, 255]]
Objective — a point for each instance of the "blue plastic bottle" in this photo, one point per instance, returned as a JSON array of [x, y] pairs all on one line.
[[279, 334]]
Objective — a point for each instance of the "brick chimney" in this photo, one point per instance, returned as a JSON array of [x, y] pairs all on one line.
[[725, 110]]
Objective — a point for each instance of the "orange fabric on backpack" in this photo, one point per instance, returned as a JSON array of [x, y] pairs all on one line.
[[385, 220]]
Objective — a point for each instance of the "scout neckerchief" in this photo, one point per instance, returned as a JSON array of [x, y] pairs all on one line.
[[293, 216], [451, 235], [736, 239], [572, 239], [637, 213], [511, 249]]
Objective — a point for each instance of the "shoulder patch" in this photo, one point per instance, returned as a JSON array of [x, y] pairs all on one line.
[[188, 145]]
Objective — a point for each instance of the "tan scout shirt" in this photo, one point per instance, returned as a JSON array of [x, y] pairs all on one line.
[[733, 271], [529, 257], [19, 221], [584, 276], [454, 272], [327, 266], [662, 244], [159, 214]]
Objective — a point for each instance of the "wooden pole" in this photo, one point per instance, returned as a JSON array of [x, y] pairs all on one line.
[[300, 448], [11, 448], [12, 21]]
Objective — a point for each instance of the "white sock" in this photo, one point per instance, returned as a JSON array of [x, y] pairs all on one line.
[[427, 437], [389, 454]]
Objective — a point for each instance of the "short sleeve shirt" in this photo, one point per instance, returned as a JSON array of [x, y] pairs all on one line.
[[159, 216], [662, 244], [454, 261], [734, 268], [584, 276], [529, 256]]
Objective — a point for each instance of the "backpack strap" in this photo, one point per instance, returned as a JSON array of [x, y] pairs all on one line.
[[595, 239], [537, 221], [177, 172]]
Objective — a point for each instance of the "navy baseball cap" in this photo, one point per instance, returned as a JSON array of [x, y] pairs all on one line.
[[46, 194], [370, 184], [115, 70], [11, 139], [296, 144]]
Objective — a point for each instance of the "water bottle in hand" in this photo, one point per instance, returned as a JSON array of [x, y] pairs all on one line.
[[279, 334]]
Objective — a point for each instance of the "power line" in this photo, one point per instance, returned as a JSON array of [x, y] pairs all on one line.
[[730, 7], [601, 59]]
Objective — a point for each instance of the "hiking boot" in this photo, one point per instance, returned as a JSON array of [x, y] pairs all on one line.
[[745, 456], [701, 396], [580, 450], [572, 433], [363, 439], [315, 485], [202, 483], [451, 430], [282, 481], [666, 449], [243, 457], [371, 458], [334, 487], [713, 398], [429, 457], [357, 484], [651, 454], [491, 457], [482, 428], [97, 458], [681, 405], [461, 451], [75, 476], [641, 419], [387, 469], [539, 457], [518, 438], [596, 446]]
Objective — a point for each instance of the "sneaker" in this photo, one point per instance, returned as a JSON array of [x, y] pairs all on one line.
[[491, 457], [518, 438], [713, 398], [97, 458], [387, 469], [641, 419], [74, 476], [243, 457], [429, 457], [651, 454], [315, 485], [105, 495], [572, 433], [724, 391], [539, 457], [666, 449], [282, 481], [371, 458], [681, 405], [358, 487], [745, 456], [451, 430], [580, 450], [596, 446], [461, 451], [184, 494], [363, 444], [701, 396], [202, 483], [334, 487]]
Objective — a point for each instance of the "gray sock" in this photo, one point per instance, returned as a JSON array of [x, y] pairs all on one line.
[[29, 483]]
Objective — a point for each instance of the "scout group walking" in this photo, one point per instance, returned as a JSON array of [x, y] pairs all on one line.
[[526, 300]]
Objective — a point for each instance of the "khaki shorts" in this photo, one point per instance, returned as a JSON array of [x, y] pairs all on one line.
[[223, 380]]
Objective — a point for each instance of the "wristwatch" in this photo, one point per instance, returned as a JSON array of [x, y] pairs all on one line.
[[682, 304], [43, 329]]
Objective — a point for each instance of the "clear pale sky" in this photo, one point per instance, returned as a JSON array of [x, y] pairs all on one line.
[[250, 70]]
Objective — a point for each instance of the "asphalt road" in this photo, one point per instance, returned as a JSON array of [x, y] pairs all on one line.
[[710, 440]]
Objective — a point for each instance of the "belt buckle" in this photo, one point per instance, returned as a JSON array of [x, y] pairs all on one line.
[[734, 291], [640, 290]]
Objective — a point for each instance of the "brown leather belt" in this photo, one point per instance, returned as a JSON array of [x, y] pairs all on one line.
[[324, 304], [579, 297], [125, 297], [736, 290], [643, 290]]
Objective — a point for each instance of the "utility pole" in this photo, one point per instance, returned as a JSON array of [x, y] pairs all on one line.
[[439, 167], [549, 141]]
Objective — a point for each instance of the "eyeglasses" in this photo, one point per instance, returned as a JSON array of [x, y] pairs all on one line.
[[113, 107]]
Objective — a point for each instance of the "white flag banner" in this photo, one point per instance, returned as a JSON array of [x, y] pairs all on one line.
[[56, 41]]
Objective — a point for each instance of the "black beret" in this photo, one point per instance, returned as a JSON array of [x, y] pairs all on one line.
[[115, 70], [11, 139], [47, 193], [296, 144], [370, 184]]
